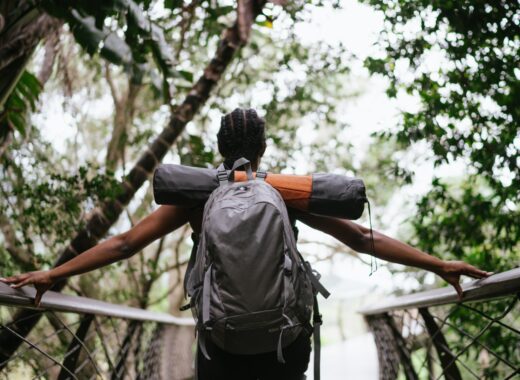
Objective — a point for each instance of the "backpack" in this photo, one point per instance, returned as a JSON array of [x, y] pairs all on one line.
[[250, 289]]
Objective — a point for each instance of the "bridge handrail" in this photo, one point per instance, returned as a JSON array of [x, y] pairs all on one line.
[[497, 285], [54, 301]]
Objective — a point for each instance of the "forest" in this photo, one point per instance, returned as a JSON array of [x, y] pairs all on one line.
[[95, 94]]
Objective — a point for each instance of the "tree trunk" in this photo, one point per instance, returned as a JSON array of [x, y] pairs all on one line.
[[124, 107], [108, 212]]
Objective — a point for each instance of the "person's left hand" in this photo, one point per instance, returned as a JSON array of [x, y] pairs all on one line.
[[41, 280], [452, 270]]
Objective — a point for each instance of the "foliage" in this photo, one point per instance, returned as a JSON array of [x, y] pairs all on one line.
[[119, 30], [22, 99], [461, 62], [46, 210]]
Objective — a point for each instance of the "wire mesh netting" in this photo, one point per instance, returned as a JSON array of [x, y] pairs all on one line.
[[470, 340], [81, 346]]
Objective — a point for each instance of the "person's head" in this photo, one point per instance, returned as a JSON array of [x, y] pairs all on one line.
[[242, 134]]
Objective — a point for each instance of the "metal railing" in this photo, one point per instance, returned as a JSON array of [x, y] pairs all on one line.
[[431, 335], [426, 335], [82, 338]]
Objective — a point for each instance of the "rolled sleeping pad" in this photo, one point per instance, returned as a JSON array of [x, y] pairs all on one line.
[[320, 193]]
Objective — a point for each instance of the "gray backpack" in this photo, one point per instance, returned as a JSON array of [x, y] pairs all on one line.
[[250, 289]]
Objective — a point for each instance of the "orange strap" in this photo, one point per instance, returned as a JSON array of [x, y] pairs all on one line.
[[295, 189]]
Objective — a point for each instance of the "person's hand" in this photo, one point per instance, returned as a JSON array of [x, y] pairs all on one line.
[[41, 280], [452, 270]]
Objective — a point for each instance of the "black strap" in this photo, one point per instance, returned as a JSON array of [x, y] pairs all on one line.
[[316, 321], [185, 307], [315, 280]]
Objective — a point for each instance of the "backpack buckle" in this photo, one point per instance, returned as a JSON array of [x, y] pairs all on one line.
[[261, 175], [222, 176]]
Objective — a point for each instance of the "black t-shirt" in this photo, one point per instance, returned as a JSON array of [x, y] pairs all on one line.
[[226, 366]]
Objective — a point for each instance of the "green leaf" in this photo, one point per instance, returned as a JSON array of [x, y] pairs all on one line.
[[16, 121], [173, 4], [28, 91], [142, 35], [29, 80], [186, 75]]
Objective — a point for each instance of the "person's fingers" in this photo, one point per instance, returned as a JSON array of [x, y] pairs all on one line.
[[458, 289], [10, 279], [38, 297], [15, 280], [475, 272], [22, 283], [471, 271]]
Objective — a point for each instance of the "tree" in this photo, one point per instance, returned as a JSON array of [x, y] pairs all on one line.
[[468, 112], [461, 61]]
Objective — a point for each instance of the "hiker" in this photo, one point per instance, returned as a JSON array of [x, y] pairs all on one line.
[[242, 134]]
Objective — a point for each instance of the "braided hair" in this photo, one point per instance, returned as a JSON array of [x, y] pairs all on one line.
[[241, 134]]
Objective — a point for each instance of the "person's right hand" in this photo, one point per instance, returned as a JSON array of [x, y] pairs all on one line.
[[41, 280]]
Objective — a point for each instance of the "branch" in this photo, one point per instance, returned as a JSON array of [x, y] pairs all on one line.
[[152, 277], [185, 25], [112, 86], [51, 47], [172, 287]]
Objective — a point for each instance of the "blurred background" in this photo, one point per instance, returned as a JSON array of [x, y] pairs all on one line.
[[419, 99]]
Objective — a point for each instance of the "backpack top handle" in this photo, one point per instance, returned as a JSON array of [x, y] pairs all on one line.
[[223, 175]]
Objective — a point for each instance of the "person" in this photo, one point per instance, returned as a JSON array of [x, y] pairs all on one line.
[[242, 134]]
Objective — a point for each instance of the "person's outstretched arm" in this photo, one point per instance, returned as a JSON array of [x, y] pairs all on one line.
[[358, 238], [164, 220]]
